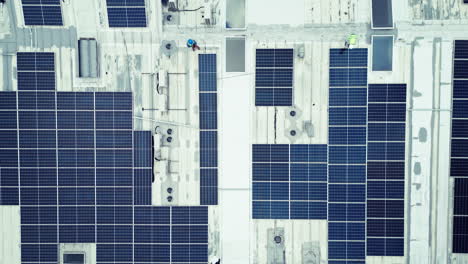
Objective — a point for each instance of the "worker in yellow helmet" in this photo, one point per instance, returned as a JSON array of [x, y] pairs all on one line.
[[351, 41]]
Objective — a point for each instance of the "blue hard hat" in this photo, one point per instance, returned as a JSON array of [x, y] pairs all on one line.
[[190, 41]]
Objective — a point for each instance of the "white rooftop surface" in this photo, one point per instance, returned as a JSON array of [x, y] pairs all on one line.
[[130, 58]]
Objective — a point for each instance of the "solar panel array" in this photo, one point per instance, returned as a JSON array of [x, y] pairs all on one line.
[[42, 12], [208, 99], [347, 156], [142, 167], [274, 77], [126, 13], [386, 169], [289, 181], [81, 175], [459, 155]]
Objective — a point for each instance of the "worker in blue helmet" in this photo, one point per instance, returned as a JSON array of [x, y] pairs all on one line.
[[191, 43]]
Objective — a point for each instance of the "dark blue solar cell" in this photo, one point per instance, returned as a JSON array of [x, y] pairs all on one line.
[[283, 58], [335, 212], [9, 196], [9, 158], [261, 153], [376, 189], [394, 247], [208, 139], [265, 58], [123, 196], [264, 97], [378, 93], [152, 253], [152, 234], [9, 177], [66, 101], [356, 193], [317, 210], [299, 191], [27, 81], [8, 139], [261, 171], [317, 191], [123, 120], [300, 153], [208, 120], [207, 81], [377, 151], [460, 89], [208, 102], [394, 208], [261, 191], [209, 158], [375, 208], [123, 158], [104, 101], [376, 227], [376, 247], [300, 172], [261, 210], [339, 57], [282, 97], [461, 49], [336, 250], [279, 172], [460, 148], [209, 177], [8, 119], [136, 17], [396, 112], [459, 128], [208, 195], [7, 100], [395, 189], [280, 210], [27, 100], [279, 153], [377, 112], [123, 101], [300, 210], [396, 93], [356, 212], [279, 191], [460, 69], [357, 57], [395, 150], [394, 227], [52, 15], [458, 167], [356, 250], [207, 63]]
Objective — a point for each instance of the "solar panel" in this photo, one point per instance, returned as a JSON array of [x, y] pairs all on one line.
[[126, 13], [347, 155], [385, 169], [289, 181], [42, 13], [208, 129], [274, 77], [77, 183], [461, 49], [459, 148]]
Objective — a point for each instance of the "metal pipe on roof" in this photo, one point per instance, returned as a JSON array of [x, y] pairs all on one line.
[[84, 58], [93, 59]]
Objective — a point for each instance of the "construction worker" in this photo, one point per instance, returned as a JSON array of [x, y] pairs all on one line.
[[351, 41], [191, 43]]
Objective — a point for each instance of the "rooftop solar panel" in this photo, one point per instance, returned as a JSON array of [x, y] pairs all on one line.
[[295, 174], [459, 148], [385, 159], [77, 183], [42, 13], [208, 129], [274, 77], [123, 13]]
